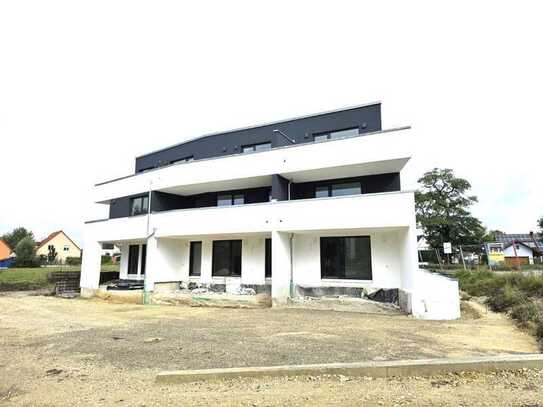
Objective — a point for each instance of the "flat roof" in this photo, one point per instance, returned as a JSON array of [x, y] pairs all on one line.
[[261, 125]]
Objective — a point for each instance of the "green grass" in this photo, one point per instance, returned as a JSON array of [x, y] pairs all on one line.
[[519, 295], [18, 279]]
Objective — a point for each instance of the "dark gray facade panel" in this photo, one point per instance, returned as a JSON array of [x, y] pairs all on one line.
[[370, 184], [120, 207], [162, 201], [279, 189], [365, 118]]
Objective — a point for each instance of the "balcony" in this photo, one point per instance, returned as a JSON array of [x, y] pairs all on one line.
[[366, 154], [370, 211]]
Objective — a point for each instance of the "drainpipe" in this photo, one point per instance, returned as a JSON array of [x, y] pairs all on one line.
[[149, 195], [291, 285]]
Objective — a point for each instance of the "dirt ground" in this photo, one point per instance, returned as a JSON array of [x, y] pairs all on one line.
[[89, 352]]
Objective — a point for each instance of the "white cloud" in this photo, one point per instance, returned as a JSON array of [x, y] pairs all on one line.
[[85, 87]]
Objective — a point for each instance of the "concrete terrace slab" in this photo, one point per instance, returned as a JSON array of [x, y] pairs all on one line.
[[398, 368]]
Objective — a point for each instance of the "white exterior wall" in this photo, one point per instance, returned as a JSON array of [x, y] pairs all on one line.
[[522, 251], [385, 261], [368, 154], [388, 218], [253, 267], [436, 297], [123, 270]]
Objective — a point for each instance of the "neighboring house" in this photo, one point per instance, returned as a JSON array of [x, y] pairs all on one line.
[[5, 250], [515, 249], [64, 246], [110, 250], [306, 205]]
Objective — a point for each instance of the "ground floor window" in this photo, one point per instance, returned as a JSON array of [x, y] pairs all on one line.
[[268, 256], [195, 261], [346, 257], [133, 258], [143, 258], [226, 260]]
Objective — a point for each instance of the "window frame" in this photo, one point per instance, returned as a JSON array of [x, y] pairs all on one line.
[[330, 134], [233, 266], [191, 259], [329, 187], [142, 211], [143, 259], [267, 258], [252, 148], [233, 196], [187, 159], [133, 260], [341, 259]]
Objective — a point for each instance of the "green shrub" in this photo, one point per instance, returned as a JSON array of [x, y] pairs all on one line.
[[505, 298], [73, 261], [106, 259], [539, 330], [525, 313]]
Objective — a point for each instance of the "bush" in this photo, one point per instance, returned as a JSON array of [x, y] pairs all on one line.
[[26, 253], [73, 261], [505, 298], [539, 330], [525, 313], [106, 259]]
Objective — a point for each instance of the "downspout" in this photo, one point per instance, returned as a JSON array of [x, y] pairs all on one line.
[[291, 284], [149, 195]]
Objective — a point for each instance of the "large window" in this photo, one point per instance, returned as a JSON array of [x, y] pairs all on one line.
[[346, 257], [133, 257], [195, 263], [268, 258], [139, 205], [226, 261], [331, 135], [341, 189], [255, 147], [230, 199]]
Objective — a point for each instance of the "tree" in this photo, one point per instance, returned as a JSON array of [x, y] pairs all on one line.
[[491, 235], [16, 235], [442, 206], [51, 254], [26, 252], [540, 224]]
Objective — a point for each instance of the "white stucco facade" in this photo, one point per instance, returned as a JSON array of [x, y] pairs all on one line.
[[295, 227]]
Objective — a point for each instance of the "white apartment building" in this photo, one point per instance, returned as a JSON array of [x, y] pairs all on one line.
[[306, 205]]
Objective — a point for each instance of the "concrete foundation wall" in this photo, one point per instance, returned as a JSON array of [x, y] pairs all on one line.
[[435, 297]]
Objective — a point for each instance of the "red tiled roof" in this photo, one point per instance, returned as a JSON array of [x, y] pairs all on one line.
[[53, 235]]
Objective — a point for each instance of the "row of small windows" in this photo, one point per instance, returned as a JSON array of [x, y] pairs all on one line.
[[140, 205], [252, 148]]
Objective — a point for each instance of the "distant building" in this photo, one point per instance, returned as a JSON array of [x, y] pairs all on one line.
[[515, 249], [64, 246], [5, 250]]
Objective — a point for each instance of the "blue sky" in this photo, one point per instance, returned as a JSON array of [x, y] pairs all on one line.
[[86, 87]]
